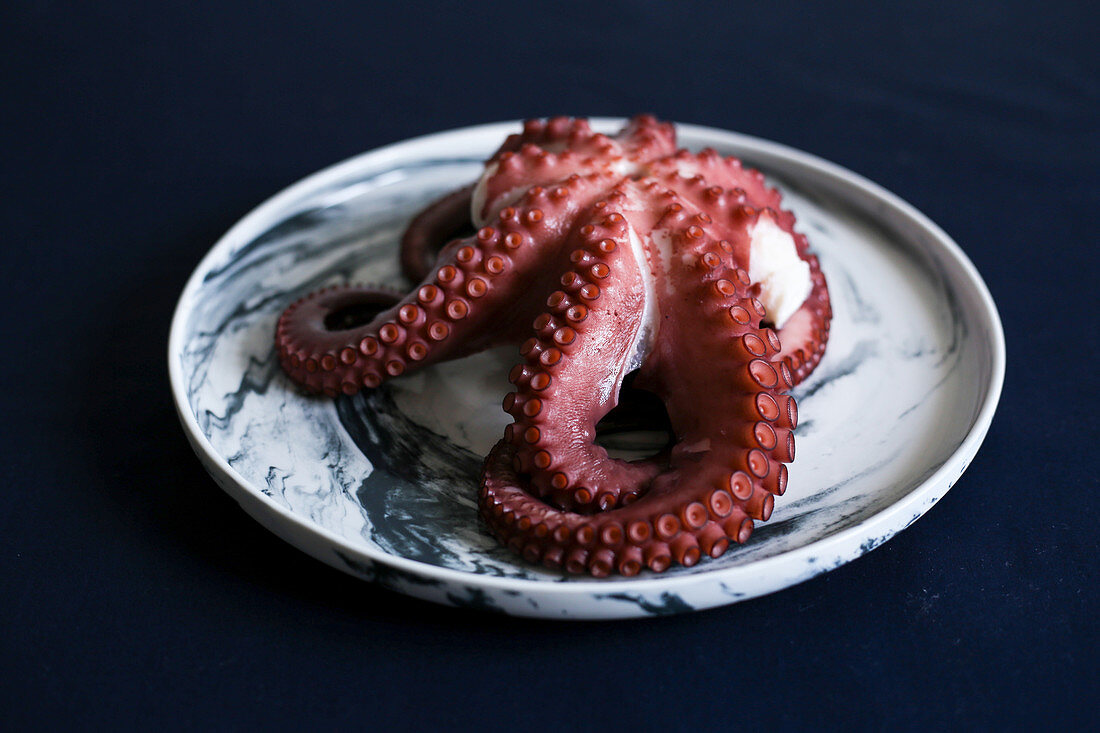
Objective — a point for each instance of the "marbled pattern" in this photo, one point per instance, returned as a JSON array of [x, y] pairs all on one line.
[[383, 486]]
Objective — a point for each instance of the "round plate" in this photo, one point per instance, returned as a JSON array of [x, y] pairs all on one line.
[[383, 485]]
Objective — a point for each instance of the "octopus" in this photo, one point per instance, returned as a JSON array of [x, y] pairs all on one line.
[[620, 265]]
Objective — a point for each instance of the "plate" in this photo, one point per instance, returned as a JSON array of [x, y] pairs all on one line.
[[383, 485]]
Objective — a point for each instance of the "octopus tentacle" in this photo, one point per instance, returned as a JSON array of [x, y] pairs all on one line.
[[726, 171], [440, 221], [309, 335], [806, 333], [646, 533], [437, 224], [479, 296], [646, 138], [561, 391], [723, 187], [541, 162], [555, 133]]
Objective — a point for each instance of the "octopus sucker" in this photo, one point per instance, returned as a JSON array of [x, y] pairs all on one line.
[[601, 256]]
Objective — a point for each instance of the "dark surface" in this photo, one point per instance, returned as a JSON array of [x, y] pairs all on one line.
[[132, 590]]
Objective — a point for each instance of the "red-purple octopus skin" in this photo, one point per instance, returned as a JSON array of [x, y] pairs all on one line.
[[600, 255]]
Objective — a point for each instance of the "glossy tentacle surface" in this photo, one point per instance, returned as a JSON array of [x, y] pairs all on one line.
[[431, 228], [601, 256]]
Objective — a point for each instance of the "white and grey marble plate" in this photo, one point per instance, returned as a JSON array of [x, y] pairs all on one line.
[[382, 485]]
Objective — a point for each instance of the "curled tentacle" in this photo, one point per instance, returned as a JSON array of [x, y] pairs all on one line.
[[311, 336], [443, 219], [582, 348], [806, 333], [538, 159], [439, 222], [730, 192], [647, 533]]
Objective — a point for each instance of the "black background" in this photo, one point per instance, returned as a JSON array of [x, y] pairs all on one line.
[[132, 590]]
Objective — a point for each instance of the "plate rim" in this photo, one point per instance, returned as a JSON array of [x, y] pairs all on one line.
[[833, 544]]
